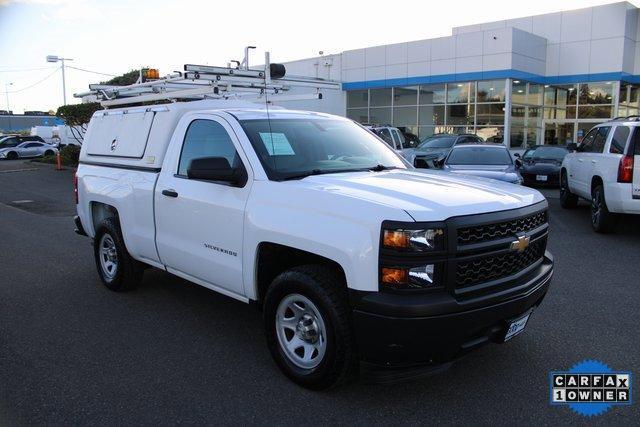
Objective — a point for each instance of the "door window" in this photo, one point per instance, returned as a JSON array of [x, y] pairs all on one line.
[[206, 138], [595, 140], [396, 139], [386, 136], [619, 140]]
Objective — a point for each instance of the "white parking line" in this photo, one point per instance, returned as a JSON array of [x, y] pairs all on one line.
[[22, 201], [19, 170]]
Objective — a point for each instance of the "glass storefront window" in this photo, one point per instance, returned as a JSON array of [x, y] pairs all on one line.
[[534, 136], [517, 136], [518, 114], [357, 98], [380, 97], [519, 92], [490, 114], [596, 93], [405, 96], [534, 94], [432, 94], [460, 93], [431, 115], [360, 115], [591, 111], [380, 115], [492, 134], [459, 115], [534, 116], [405, 116], [427, 131], [491, 91]]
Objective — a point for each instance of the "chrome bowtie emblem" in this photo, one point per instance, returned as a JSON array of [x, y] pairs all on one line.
[[114, 143], [521, 244]]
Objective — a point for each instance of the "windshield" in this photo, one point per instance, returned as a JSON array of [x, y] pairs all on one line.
[[293, 148], [479, 156], [438, 142], [550, 153]]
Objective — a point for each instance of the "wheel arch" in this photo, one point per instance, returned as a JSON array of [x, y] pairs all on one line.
[[596, 180], [274, 258]]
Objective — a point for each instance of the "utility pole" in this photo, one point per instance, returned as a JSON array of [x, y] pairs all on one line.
[[55, 58], [6, 92]]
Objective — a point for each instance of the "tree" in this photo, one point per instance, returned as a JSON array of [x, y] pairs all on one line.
[[77, 117], [127, 78]]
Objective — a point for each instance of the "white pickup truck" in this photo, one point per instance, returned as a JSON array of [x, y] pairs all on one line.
[[352, 254]]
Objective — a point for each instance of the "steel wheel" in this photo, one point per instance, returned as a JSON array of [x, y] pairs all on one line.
[[108, 256], [596, 207], [301, 331]]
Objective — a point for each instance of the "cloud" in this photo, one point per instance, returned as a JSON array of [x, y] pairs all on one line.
[[42, 2]]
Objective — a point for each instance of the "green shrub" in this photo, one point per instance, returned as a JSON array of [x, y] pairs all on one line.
[[69, 155]]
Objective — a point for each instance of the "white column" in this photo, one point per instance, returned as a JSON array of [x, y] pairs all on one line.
[[507, 113]]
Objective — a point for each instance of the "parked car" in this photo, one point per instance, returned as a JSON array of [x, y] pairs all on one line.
[[604, 170], [352, 254], [431, 152], [541, 165], [483, 160], [27, 149], [15, 140], [389, 134]]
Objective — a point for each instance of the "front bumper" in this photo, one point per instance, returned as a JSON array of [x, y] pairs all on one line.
[[395, 330]]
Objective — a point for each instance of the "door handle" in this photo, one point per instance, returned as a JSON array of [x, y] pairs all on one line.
[[594, 162], [581, 160], [170, 193]]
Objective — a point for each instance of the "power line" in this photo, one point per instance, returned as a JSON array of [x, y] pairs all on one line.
[[20, 70], [36, 83], [89, 71]]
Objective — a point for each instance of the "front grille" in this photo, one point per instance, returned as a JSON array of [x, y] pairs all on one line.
[[484, 233], [492, 267]]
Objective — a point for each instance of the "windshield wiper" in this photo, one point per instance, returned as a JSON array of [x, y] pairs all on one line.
[[380, 168]]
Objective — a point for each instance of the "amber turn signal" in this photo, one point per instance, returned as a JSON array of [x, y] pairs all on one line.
[[395, 239], [394, 275]]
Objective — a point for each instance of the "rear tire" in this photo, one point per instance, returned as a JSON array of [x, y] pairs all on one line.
[[568, 200], [116, 268], [12, 155], [602, 220], [308, 327]]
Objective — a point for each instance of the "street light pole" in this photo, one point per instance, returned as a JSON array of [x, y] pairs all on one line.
[[6, 92], [55, 58]]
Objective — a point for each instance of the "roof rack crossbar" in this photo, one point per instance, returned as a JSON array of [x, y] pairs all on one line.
[[205, 81]]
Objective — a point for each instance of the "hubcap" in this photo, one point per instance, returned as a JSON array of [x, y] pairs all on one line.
[[108, 256], [301, 331]]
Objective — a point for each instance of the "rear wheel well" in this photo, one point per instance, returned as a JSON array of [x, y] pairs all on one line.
[[595, 181], [101, 211], [273, 259]]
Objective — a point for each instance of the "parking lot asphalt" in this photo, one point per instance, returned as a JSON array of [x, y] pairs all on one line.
[[72, 352]]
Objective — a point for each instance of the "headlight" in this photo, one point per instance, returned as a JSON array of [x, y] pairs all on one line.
[[422, 277], [418, 240]]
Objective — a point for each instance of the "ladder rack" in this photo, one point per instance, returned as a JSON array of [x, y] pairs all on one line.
[[204, 81]]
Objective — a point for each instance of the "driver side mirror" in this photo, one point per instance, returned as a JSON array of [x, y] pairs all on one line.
[[216, 169], [516, 155], [518, 161], [572, 146]]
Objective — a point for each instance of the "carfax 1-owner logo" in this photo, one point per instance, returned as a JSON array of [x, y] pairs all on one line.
[[590, 388]]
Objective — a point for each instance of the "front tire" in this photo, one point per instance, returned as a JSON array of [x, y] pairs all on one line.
[[308, 327], [568, 200], [602, 220], [48, 153], [116, 268]]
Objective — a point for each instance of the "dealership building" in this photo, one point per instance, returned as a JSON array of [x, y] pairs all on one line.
[[542, 79]]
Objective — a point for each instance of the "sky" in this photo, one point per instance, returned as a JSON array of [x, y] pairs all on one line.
[[115, 36]]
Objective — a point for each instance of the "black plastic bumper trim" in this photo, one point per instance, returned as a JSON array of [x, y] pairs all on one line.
[[79, 228]]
